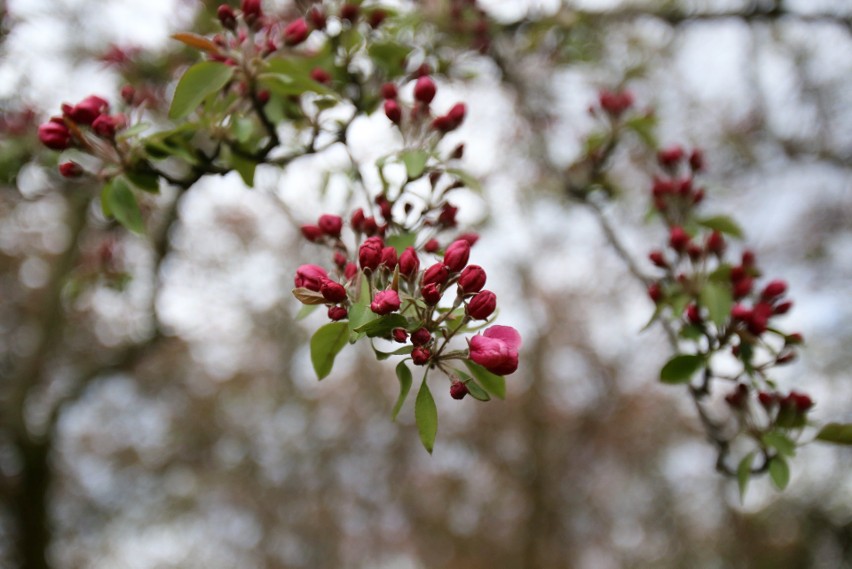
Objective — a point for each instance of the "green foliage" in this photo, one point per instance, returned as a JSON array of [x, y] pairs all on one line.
[[326, 343], [837, 433], [779, 472], [118, 201], [723, 224], [493, 383], [681, 368], [403, 374], [718, 300], [426, 416], [200, 81]]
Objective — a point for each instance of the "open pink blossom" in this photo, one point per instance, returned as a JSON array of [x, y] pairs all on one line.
[[310, 277], [496, 349]]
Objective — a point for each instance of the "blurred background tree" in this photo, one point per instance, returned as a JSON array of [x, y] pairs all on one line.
[[158, 403]]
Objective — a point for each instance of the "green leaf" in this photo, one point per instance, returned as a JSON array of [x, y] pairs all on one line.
[[389, 56], [472, 387], [245, 167], [780, 442], [401, 241], [404, 351], [199, 81], [644, 127], [415, 162], [306, 310], [493, 383], [133, 131], [744, 473], [326, 343], [691, 332], [145, 181], [681, 368], [426, 416], [837, 433], [120, 203], [465, 177], [382, 325], [779, 472], [718, 300], [722, 224], [242, 128], [403, 374]]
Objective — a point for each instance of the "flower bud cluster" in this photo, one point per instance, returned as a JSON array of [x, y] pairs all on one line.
[[420, 113]]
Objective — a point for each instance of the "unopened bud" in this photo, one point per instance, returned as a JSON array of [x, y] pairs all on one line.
[[482, 305]]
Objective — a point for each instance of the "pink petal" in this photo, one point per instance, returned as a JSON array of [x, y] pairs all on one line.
[[506, 334]]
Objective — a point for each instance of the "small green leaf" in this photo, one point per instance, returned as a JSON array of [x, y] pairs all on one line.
[[306, 310], [722, 224], [837, 433], [779, 472], [245, 167], [326, 343], [644, 126], [121, 204], [242, 128], [415, 162], [465, 177], [718, 300], [691, 332], [426, 416], [401, 241], [780, 442], [493, 383], [744, 473], [390, 56], [199, 81], [404, 351], [681, 368], [145, 181], [383, 325], [403, 374], [472, 387]]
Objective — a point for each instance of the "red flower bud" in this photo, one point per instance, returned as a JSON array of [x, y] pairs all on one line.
[[737, 398], [349, 12], [737, 274], [482, 305], [655, 292], [310, 277], [332, 291], [447, 218], [370, 226], [331, 225], [54, 135], [785, 357], [748, 258], [678, 238], [389, 91], [431, 294], [436, 274], [389, 257], [337, 313], [458, 390], [312, 233], [263, 97], [696, 160], [471, 238], [694, 251], [317, 18], [370, 253], [716, 243], [783, 307], [385, 302], [740, 312], [70, 170], [472, 279], [350, 271], [105, 125], [669, 157], [320, 75], [86, 111], [767, 400], [662, 187], [615, 103], [128, 94], [800, 401], [693, 314], [340, 259], [409, 264], [742, 287], [443, 124], [296, 32], [392, 111], [251, 9], [357, 220], [399, 335], [227, 17], [457, 113], [376, 18], [457, 255], [421, 337], [658, 258], [794, 339], [424, 90], [773, 289], [431, 246], [420, 356]]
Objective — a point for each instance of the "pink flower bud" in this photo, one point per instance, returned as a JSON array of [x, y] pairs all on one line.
[[740, 312], [783, 307], [70, 170], [337, 313], [310, 277], [655, 292], [312, 233], [385, 302], [370, 254], [767, 400], [350, 271], [431, 246], [409, 264], [471, 238], [227, 17], [457, 113], [392, 111], [340, 259], [742, 287], [458, 390], [251, 9], [457, 255], [389, 257], [443, 124], [482, 305], [424, 90], [472, 279], [332, 291], [615, 103], [774, 289], [389, 91], [105, 125], [54, 135], [331, 225], [716, 243], [421, 337], [399, 335], [431, 294], [370, 226], [357, 220], [658, 258], [420, 356], [436, 274], [496, 349], [320, 75], [296, 32], [86, 111], [317, 18]]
